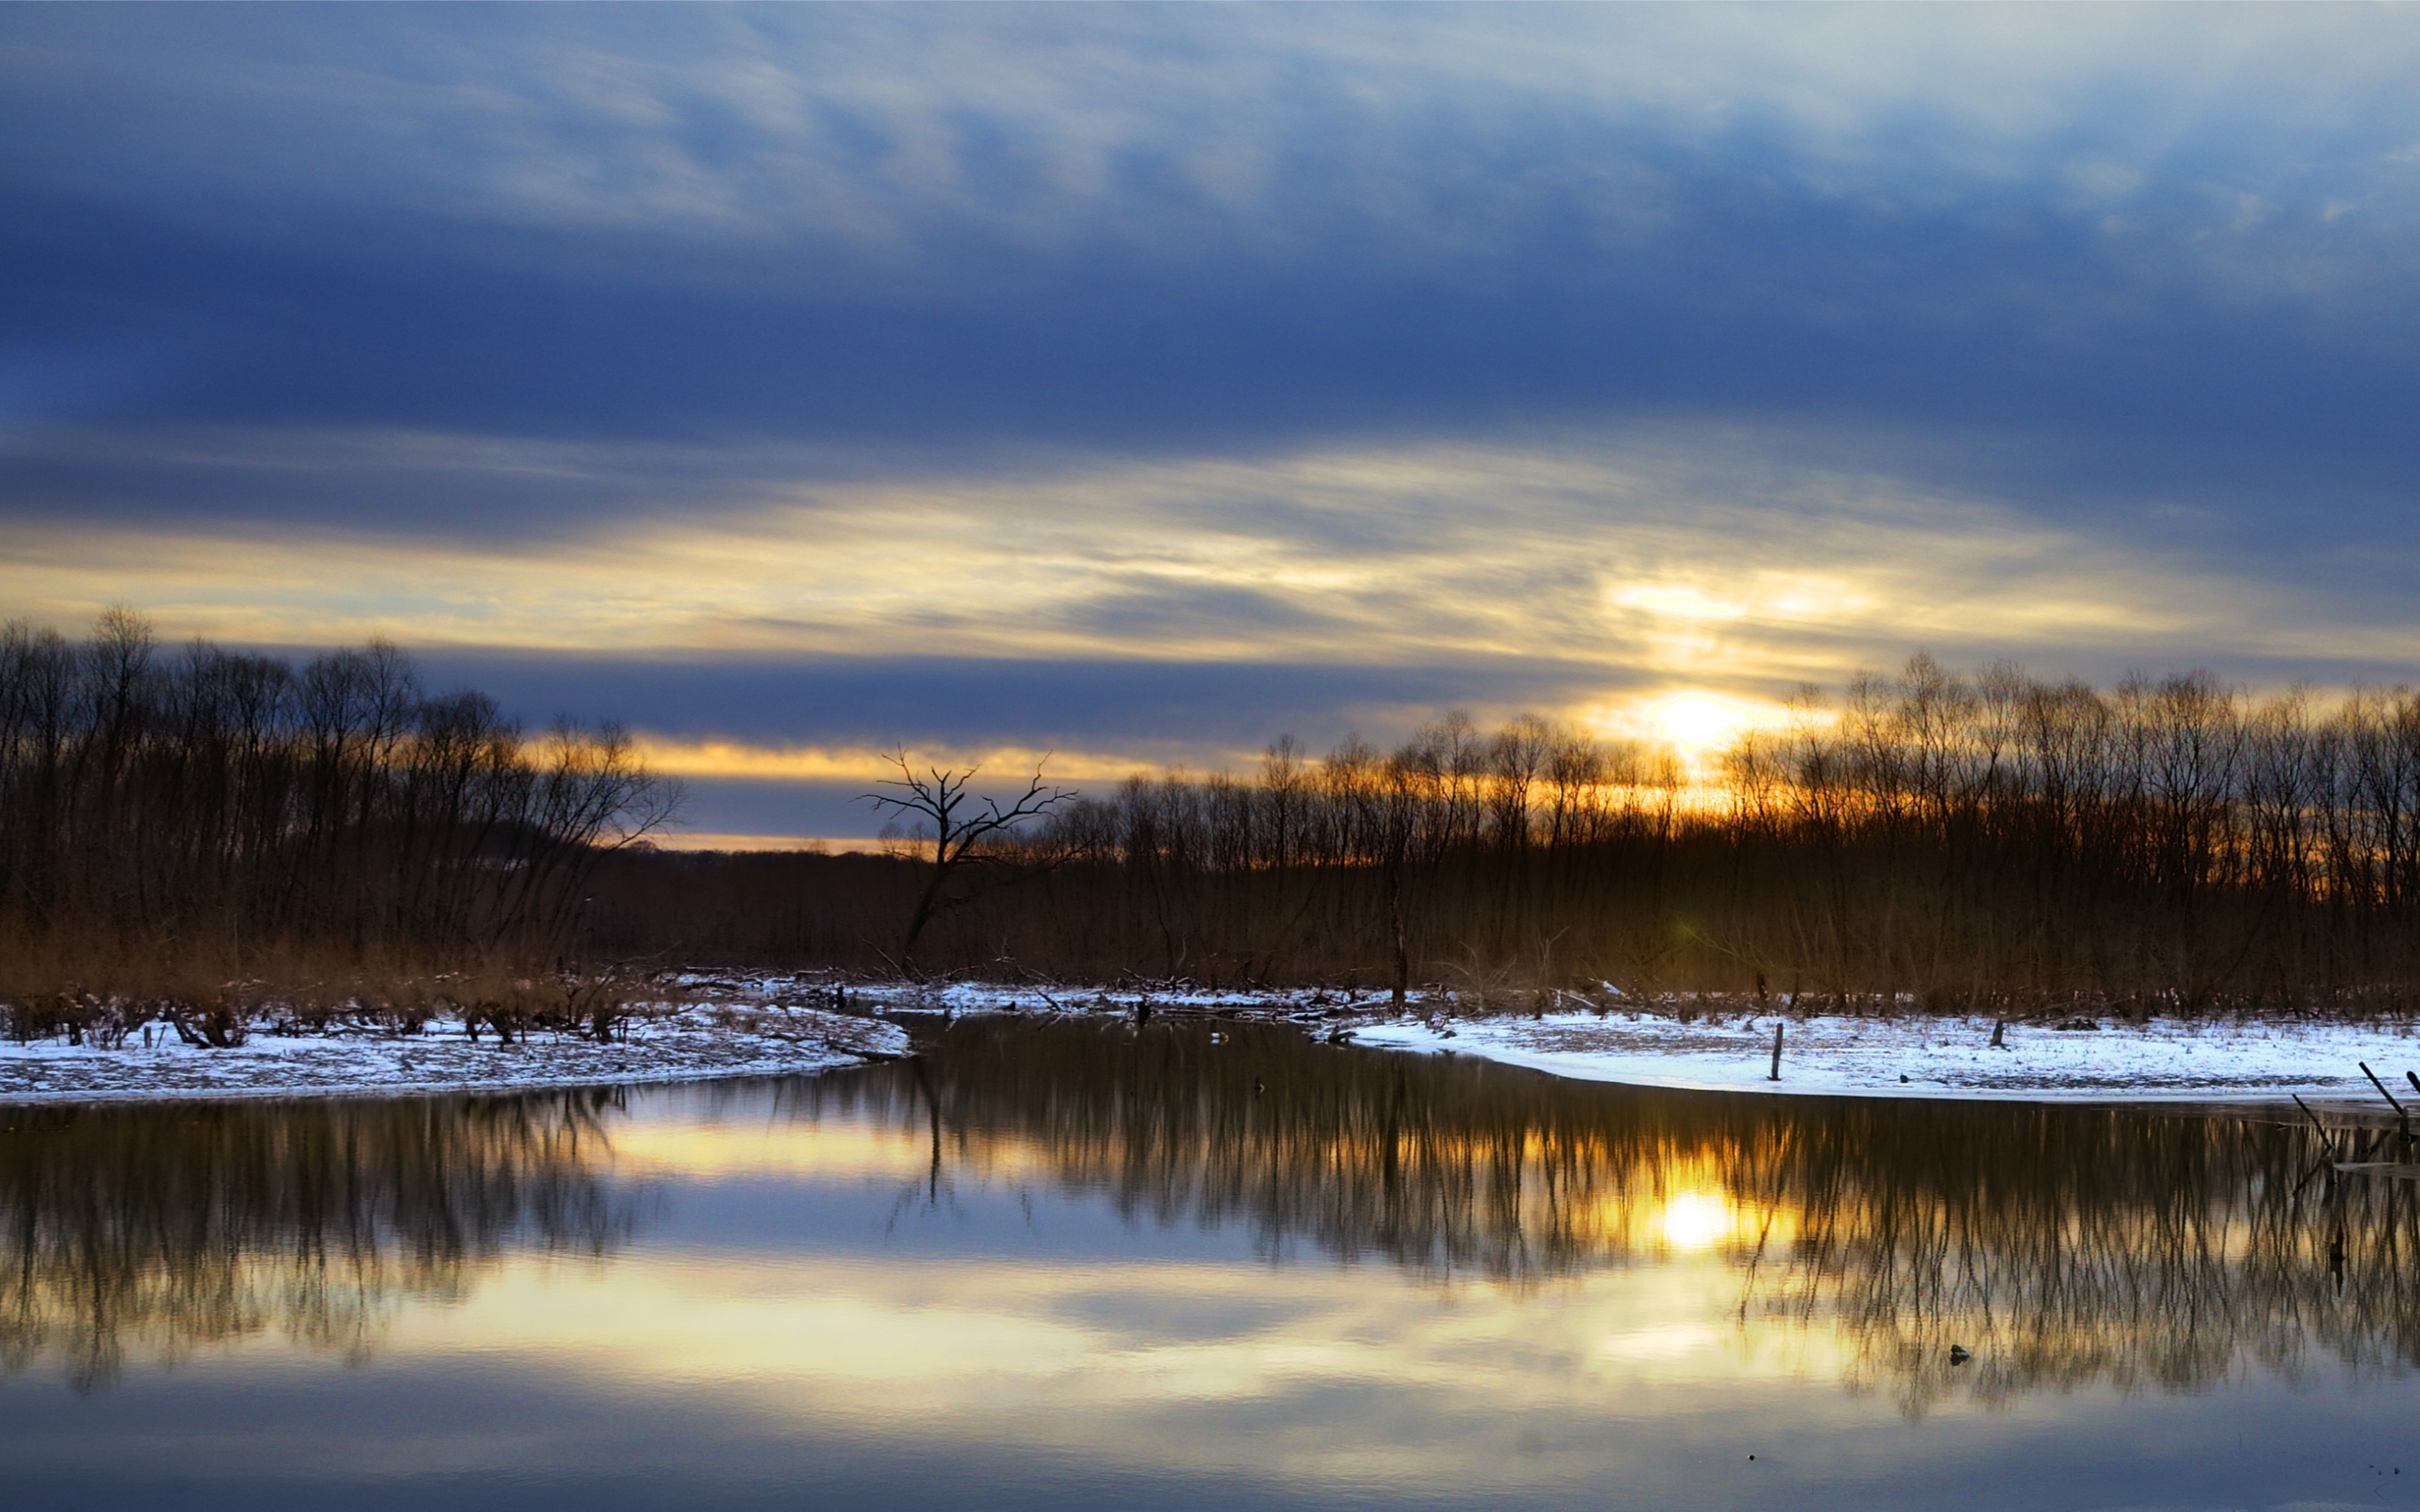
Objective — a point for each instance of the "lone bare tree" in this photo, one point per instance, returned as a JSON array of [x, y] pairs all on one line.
[[965, 839]]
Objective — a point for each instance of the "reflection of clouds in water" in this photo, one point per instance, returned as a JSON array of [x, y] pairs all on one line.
[[2064, 1246], [1659, 1342], [130, 1233], [1332, 1374], [1499, 1232]]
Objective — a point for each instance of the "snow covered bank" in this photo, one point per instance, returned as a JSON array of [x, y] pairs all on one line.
[[760, 1026], [1939, 1057], [2169, 1061], [688, 1044]]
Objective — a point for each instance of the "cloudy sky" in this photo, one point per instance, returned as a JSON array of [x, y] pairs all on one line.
[[1137, 385]]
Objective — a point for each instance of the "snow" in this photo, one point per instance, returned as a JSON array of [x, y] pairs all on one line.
[[762, 1026], [1906, 1056], [2165, 1060], [1911, 1056], [691, 1043]]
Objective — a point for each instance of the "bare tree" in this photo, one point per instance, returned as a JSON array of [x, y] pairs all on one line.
[[964, 838], [171, 823]]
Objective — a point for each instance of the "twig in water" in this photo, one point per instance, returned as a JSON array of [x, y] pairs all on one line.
[[2327, 1140], [2401, 1116]]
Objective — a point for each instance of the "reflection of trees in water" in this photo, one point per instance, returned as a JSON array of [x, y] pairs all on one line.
[[2062, 1245], [2065, 1246], [148, 1231]]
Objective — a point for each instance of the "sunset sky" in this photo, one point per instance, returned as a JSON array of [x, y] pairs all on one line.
[[1137, 385]]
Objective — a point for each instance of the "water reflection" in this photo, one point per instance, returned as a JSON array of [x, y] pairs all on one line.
[[2062, 1247], [143, 1232], [2057, 1246]]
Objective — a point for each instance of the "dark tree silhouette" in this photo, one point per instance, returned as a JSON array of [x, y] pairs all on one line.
[[965, 840], [177, 830], [1950, 841]]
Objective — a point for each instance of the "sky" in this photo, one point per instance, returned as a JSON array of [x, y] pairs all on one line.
[[1131, 386]]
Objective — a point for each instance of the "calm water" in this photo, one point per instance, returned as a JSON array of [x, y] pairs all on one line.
[[1086, 1267]]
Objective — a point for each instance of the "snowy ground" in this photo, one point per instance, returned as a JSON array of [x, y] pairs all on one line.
[[690, 1043], [2166, 1061], [757, 1025]]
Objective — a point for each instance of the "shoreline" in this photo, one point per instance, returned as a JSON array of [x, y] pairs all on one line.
[[2170, 1061], [740, 1027], [697, 1042], [1944, 1061]]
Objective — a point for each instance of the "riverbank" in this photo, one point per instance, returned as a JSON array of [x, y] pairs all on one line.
[[693, 1043], [2165, 1060], [779, 1026], [1653, 1044]]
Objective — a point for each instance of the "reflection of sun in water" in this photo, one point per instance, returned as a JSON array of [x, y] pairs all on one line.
[[1697, 721], [1695, 1220]]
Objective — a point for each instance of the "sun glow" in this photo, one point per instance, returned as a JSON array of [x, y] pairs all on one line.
[[1680, 603], [1697, 721], [1695, 1220]]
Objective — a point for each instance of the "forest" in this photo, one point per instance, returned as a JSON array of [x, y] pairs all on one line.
[[1927, 840], [201, 833]]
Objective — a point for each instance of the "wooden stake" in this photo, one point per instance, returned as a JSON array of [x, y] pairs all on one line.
[[1776, 1074]]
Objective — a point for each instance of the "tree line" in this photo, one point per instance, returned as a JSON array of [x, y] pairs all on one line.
[[174, 822], [1989, 840]]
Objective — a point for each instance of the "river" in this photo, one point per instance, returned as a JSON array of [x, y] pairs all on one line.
[[1196, 1264]]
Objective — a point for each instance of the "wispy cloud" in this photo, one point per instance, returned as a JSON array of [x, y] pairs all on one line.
[[869, 766], [1698, 552], [870, 150]]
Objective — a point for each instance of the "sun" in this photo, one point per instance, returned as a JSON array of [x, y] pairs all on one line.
[[1697, 721]]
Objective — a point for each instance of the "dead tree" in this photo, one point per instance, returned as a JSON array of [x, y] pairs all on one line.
[[965, 840]]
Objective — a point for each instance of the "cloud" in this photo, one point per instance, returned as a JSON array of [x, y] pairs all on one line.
[[771, 713], [1333, 365], [1157, 231], [1038, 128], [1704, 551]]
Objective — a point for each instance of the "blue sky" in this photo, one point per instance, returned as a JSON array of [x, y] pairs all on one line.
[[1139, 384]]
